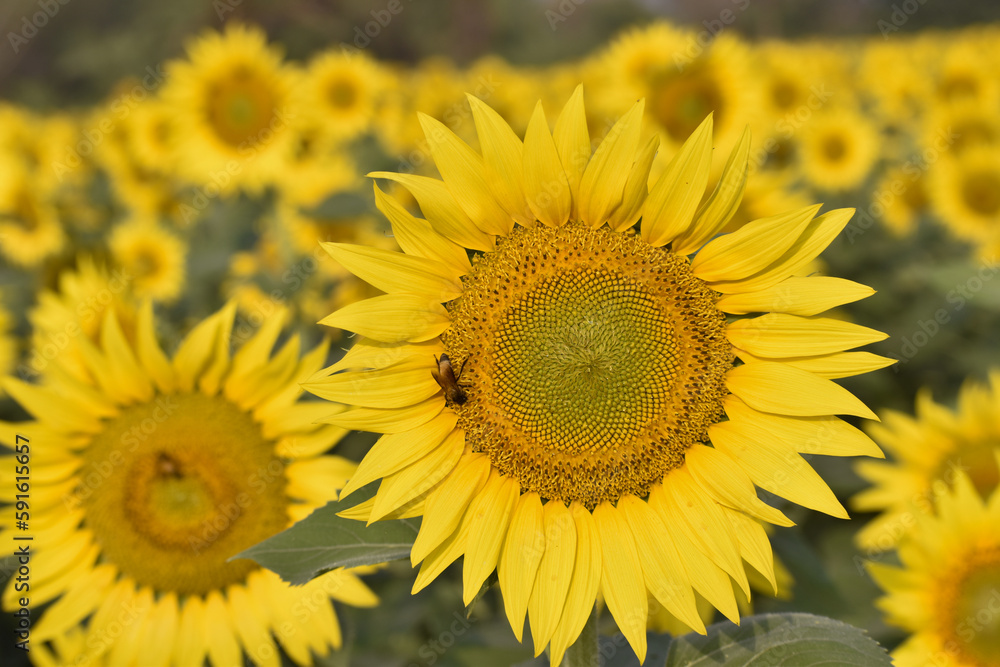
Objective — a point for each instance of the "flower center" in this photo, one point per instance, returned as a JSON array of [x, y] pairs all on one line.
[[342, 93], [970, 622], [177, 486], [592, 361], [681, 103], [981, 192], [241, 108]]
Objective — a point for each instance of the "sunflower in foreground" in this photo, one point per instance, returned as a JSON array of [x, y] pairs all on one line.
[[929, 451], [146, 480], [592, 366], [946, 592]]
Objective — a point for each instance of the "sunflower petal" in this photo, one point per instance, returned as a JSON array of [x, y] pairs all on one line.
[[503, 161], [520, 557], [603, 183], [622, 580], [777, 335], [488, 517], [395, 272], [583, 586], [572, 140], [392, 318], [447, 503], [417, 237], [722, 204], [555, 571], [546, 187], [771, 386], [627, 214], [672, 202], [723, 478], [418, 478], [796, 295]]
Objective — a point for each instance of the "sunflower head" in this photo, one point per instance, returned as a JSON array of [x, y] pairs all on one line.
[[606, 420]]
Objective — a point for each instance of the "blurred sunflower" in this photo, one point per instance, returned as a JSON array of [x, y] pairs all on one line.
[[341, 93], [233, 104], [152, 256], [902, 192], [148, 479], [947, 591], [838, 149], [30, 230], [152, 136], [594, 364], [929, 451], [965, 193]]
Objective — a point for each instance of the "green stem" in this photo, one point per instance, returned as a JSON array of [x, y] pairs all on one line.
[[585, 651]]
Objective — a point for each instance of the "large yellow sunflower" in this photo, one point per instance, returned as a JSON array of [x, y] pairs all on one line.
[[233, 107], [145, 481], [929, 451], [592, 366], [946, 592]]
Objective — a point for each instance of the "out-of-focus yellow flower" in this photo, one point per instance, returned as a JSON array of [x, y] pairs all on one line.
[[838, 149], [154, 257]]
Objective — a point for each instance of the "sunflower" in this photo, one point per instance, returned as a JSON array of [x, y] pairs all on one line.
[[586, 366], [838, 149], [929, 450], [341, 93], [945, 593], [902, 194], [146, 481], [30, 230], [965, 193], [152, 136], [152, 256], [233, 106]]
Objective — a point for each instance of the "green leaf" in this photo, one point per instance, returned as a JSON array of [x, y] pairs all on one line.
[[324, 541], [779, 639]]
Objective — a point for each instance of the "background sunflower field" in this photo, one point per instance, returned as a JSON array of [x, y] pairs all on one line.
[[194, 154]]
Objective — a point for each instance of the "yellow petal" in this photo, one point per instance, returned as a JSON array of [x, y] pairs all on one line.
[[441, 210], [603, 182], [817, 236], [502, 159], [622, 581], [154, 361], [392, 318], [79, 600], [754, 544], [572, 140], [697, 514], [627, 214], [397, 386], [122, 366], [723, 478], [555, 571], [251, 629], [724, 201], [223, 647], [395, 451], [771, 386], [665, 577], [447, 503], [192, 643], [519, 558], [160, 630], [831, 366], [399, 488], [796, 295], [395, 272], [672, 202], [464, 173], [197, 351], [830, 436], [752, 247], [546, 187], [416, 236], [584, 585], [394, 420], [776, 469], [488, 517], [777, 335]]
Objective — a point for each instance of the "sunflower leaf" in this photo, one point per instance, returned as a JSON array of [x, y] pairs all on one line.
[[324, 541], [778, 639]]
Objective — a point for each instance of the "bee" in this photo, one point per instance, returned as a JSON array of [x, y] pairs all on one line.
[[445, 376]]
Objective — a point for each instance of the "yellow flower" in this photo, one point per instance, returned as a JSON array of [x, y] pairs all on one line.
[[341, 93], [965, 193], [152, 256], [30, 230], [838, 149], [146, 480], [233, 107], [928, 450], [947, 591], [592, 365]]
